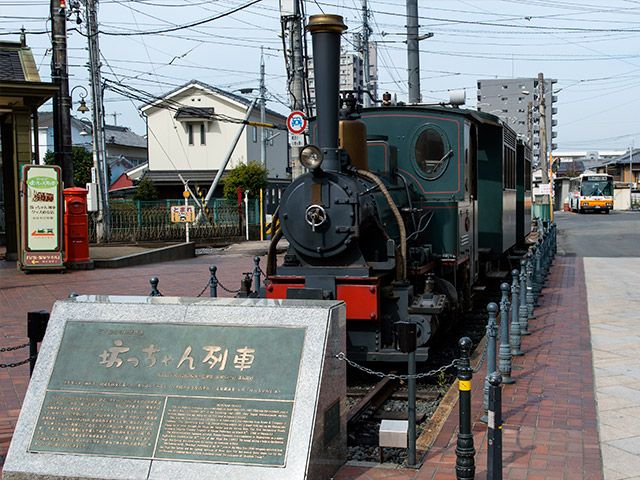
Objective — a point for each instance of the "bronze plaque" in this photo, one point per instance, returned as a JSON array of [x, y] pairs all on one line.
[[172, 391]]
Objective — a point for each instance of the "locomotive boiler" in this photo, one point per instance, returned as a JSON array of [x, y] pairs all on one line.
[[401, 211]]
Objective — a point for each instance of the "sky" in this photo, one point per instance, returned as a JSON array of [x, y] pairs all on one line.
[[591, 47]]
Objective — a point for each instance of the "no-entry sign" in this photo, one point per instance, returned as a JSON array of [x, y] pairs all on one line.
[[296, 122]]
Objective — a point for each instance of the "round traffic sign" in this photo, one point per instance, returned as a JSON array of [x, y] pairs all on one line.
[[296, 122]]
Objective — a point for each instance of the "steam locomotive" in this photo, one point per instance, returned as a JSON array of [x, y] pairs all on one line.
[[402, 211]]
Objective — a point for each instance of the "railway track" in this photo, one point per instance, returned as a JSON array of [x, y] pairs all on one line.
[[372, 400]]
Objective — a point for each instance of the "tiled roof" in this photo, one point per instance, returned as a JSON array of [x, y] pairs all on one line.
[[123, 136], [10, 66], [114, 134], [17, 63], [219, 91]]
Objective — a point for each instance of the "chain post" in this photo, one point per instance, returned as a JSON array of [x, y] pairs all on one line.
[[517, 304], [529, 296], [492, 309], [523, 312], [154, 287], [465, 453], [213, 281], [505, 348], [539, 267], [494, 429], [256, 274]]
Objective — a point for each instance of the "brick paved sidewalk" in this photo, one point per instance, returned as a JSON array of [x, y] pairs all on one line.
[[550, 430], [21, 293], [550, 427]]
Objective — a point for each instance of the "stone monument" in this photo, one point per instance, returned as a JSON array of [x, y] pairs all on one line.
[[172, 388]]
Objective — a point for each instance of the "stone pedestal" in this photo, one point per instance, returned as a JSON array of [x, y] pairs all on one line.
[[160, 387]]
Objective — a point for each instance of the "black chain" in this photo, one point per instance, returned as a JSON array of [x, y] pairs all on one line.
[[15, 364], [226, 289], [11, 349], [262, 272], [204, 289], [342, 356]]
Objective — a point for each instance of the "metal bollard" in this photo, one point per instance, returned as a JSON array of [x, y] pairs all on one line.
[[529, 296], [494, 429], [517, 303], [523, 311], [256, 274], [465, 453], [532, 275], [213, 282], [36, 327], [154, 287], [539, 278], [505, 349], [492, 331]]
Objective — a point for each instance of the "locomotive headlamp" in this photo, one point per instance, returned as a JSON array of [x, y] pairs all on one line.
[[311, 157]]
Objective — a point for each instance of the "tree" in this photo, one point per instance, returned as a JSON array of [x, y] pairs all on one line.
[[251, 176], [145, 190], [82, 163]]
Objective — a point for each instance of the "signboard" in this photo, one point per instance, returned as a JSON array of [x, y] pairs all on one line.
[[296, 140], [221, 394], [42, 216], [542, 189], [183, 213], [296, 122]]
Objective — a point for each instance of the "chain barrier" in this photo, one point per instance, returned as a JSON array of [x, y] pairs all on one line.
[[227, 290], [204, 289], [11, 349], [15, 364], [394, 376], [263, 273]]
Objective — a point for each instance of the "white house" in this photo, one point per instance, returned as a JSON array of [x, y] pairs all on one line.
[[191, 128]]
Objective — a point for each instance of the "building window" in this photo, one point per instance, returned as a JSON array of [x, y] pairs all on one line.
[[254, 134], [202, 135], [190, 131]]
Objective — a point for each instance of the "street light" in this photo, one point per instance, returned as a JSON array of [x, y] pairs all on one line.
[[83, 105]]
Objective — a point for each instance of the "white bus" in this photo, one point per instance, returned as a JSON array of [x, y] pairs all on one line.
[[591, 192]]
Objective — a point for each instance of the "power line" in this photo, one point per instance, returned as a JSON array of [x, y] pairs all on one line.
[[188, 25]]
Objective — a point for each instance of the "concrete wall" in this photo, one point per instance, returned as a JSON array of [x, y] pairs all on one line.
[[621, 199]]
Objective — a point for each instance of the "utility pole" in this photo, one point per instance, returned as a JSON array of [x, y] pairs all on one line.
[[543, 157], [290, 14], [263, 113], [99, 148], [61, 101], [366, 32], [413, 52]]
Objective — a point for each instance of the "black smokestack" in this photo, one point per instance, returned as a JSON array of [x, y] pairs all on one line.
[[325, 32]]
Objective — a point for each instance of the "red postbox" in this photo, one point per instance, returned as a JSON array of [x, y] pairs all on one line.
[[76, 227]]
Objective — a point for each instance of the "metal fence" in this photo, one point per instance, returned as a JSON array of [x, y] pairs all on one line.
[[136, 220], [635, 199]]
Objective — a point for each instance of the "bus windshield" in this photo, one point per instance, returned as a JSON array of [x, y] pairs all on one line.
[[596, 187]]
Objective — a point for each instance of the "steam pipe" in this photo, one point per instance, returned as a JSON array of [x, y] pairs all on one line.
[[325, 34]]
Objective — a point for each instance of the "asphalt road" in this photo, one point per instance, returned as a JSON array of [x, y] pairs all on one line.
[[599, 235]]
